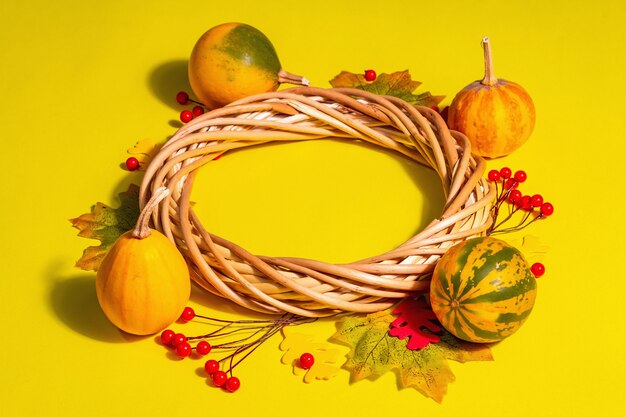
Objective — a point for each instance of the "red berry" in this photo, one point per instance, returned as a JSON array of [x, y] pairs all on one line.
[[547, 209], [494, 175], [524, 203], [538, 269], [197, 111], [132, 164], [186, 116], [167, 336], [520, 176], [510, 184], [211, 366], [219, 378], [514, 196], [182, 97], [187, 314], [370, 75], [203, 348], [183, 350], [233, 384], [178, 339], [306, 361], [505, 173], [536, 200]]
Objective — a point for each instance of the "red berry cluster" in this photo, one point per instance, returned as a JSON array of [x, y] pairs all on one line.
[[249, 335], [188, 115], [533, 206]]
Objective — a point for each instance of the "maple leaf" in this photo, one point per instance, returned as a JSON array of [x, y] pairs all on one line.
[[398, 84], [374, 352], [415, 316], [325, 365], [106, 224], [144, 150]]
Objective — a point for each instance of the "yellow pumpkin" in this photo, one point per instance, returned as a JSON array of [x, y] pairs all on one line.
[[496, 115], [143, 282]]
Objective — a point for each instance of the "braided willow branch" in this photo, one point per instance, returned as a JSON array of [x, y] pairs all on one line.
[[309, 287]]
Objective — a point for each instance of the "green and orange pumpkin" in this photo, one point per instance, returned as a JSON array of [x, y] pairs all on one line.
[[232, 61], [482, 290]]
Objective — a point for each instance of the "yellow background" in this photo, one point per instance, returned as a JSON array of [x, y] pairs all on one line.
[[81, 81]]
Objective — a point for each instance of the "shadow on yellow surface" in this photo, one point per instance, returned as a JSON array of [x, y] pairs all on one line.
[[167, 79], [73, 299]]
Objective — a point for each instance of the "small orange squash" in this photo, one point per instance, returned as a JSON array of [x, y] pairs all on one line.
[[143, 282], [496, 115]]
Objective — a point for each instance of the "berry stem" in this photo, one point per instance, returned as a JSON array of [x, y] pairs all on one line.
[[518, 227], [251, 348], [490, 78], [507, 218], [235, 322], [258, 332]]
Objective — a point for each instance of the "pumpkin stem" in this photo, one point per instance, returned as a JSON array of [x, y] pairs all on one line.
[[289, 78], [142, 229], [490, 78]]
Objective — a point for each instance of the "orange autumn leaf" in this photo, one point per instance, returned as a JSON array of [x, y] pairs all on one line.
[[106, 224], [398, 84]]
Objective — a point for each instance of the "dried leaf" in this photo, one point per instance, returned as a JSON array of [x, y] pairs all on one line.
[[326, 358], [416, 323], [144, 150], [374, 352], [106, 224], [398, 84]]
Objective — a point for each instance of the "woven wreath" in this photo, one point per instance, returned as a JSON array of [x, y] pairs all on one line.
[[310, 287]]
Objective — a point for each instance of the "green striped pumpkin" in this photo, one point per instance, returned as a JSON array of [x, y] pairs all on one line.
[[482, 290]]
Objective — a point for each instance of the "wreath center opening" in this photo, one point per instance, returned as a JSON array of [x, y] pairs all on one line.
[[334, 200]]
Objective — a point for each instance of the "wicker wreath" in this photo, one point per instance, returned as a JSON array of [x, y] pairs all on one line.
[[309, 287]]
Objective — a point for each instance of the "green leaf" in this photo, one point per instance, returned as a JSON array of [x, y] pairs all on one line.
[[374, 352], [398, 84], [106, 224]]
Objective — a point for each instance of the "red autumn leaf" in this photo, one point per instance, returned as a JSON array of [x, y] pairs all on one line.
[[415, 318]]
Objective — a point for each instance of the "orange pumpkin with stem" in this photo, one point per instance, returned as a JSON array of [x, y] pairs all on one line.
[[143, 282], [496, 115]]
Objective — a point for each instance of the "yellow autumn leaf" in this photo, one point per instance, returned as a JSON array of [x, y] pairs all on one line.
[[533, 249], [144, 150], [326, 363]]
